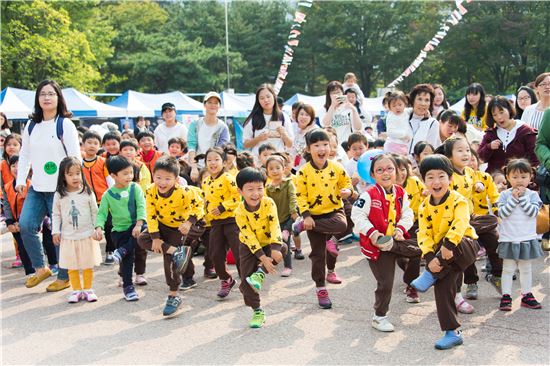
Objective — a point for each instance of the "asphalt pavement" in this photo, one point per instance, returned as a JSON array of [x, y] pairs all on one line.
[[42, 328]]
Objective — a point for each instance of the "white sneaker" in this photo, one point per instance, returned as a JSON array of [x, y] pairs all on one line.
[[382, 324], [140, 280], [74, 297]]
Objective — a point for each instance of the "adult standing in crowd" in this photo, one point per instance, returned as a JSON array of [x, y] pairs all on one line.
[[206, 132], [475, 111], [169, 128], [532, 115], [440, 101], [5, 124], [525, 96], [341, 114], [267, 123], [421, 123], [42, 149], [542, 149], [506, 138], [140, 126]]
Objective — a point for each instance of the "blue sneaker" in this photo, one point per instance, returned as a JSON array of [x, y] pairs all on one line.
[[172, 305], [181, 258], [55, 269], [130, 293], [424, 281], [449, 340]]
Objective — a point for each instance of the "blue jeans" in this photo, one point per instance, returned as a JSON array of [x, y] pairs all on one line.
[[37, 205]]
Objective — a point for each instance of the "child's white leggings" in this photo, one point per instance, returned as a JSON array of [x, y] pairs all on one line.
[[525, 276]]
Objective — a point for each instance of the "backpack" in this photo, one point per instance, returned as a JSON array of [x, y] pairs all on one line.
[[58, 130]]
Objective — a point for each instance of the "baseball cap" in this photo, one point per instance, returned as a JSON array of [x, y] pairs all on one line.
[[212, 94], [166, 106]]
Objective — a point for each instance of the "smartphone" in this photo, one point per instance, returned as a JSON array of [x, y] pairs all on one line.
[[273, 125], [341, 99]]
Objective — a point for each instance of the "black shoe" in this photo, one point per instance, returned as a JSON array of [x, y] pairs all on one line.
[[298, 255], [505, 303], [529, 301], [188, 283], [210, 273], [181, 258]]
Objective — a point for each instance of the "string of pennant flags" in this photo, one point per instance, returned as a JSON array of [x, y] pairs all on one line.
[[292, 42], [453, 19]]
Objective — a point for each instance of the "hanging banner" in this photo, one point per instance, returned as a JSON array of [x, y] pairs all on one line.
[[292, 42], [452, 20]]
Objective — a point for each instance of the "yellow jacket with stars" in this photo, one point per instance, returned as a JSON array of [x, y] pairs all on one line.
[[464, 184], [414, 188], [183, 204], [450, 220], [220, 192], [318, 190], [258, 228], [486, 198]]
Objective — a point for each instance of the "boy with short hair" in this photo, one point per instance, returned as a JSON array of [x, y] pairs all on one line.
[[126, 204], [448, 244], [148, 155], [262, 246], [174, 215], [177, 147], [264, 152], [111, 144], [142, 176]]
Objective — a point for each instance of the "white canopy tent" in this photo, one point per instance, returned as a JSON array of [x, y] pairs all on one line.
[[149, 105]]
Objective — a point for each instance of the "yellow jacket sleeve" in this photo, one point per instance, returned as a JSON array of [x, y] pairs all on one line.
[[344, 181], [144, 177], [151, 210], [195, 202], [231, 202], [461, 222], [274, 226], [246, 235], [301, 191], [426, 240]]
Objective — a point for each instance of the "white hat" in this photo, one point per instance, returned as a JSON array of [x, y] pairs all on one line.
[[212, 94]]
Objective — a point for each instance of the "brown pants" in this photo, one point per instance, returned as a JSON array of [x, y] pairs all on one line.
[[383, 270], [140, 260], [224, 234], [326, 225], [486, 229], [445, 287], [171, 237], [348, 204], [249, 264]]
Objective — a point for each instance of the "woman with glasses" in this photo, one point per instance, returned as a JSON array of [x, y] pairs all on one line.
[[532, 115], [525, 96], [43, 147]]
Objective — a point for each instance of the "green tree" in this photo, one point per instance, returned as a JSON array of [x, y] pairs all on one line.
[[38, 42]]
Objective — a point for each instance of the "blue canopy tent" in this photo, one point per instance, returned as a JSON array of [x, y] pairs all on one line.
[[149, 105]]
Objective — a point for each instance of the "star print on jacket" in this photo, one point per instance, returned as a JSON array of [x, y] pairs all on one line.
[[414, 188], [258, 228], [318, 199], [488, 198], [464, 184], [220, 192], [450, 219], [183, 204]]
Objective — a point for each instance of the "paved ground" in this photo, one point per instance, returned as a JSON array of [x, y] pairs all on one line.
[[41, 328]]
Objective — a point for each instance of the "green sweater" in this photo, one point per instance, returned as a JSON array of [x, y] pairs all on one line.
[[285, 199], [124, 213], [542, 147]]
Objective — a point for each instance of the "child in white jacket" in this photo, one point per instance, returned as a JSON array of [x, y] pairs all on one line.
[[397, 124]]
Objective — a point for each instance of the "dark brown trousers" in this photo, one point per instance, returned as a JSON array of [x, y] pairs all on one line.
[[445, 287], [383, 270], [172, 237], [326, 225], [249, 263], [224, 234]]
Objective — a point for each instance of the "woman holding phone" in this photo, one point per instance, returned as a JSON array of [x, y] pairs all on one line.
[[267, 123], [341, 114]]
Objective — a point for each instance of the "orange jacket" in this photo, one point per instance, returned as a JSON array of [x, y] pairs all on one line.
[[15, 199], [5, 171], [153, 157], [94, 172]]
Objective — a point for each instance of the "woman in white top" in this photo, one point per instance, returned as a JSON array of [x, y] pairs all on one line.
[[421, 124], [305, 115], [532, 115], [341, 114], [48, 138], [170, 128], [267, 123], [440, 101]]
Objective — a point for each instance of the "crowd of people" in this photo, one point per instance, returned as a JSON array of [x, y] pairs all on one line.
[[448, 189]]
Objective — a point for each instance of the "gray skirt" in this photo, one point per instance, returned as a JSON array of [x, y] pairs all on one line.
[[529, 249]]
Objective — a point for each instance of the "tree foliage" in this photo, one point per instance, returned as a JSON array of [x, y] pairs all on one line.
[[151, 46]]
